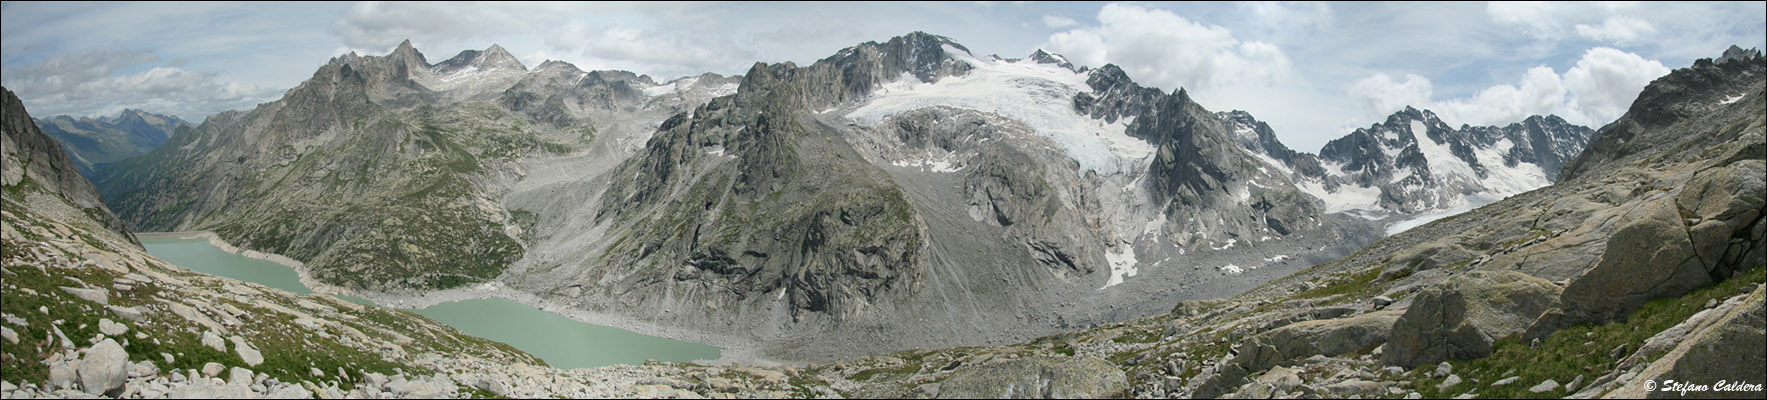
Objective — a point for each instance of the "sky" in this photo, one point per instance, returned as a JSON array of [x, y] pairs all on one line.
[[1313, 71]]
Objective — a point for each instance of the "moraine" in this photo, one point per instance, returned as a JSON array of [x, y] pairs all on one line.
[[562, 342]]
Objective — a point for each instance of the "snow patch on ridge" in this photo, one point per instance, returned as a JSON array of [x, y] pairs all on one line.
[[1122, 264]]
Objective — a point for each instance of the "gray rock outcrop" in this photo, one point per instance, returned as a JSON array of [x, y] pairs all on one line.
[[1038, 378], [1302, 339], [1461, 318]]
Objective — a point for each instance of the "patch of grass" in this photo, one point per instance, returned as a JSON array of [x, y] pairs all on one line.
[[1351, 285], [1062, 348], [1137, 335], [887, 373], [1578, 350]]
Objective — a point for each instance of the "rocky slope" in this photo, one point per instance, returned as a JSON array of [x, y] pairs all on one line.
[[1642, 263], [899, 194], [88, 313], [37, 172], [380, 173], [909, 193], [92, 143]]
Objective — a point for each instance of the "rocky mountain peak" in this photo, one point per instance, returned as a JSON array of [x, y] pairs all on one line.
[[490, 59], [408, 54], [1043, 57], [1737, 53], [550, 65], [1256, 135], [1114, 95]]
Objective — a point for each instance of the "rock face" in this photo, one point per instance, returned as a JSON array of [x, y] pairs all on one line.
[[1038, 378], [1461, 318], [392, 185], [1708, 225], [845, 196], [36, 162], [93, 143]]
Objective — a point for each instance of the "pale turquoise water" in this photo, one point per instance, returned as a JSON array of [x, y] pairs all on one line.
[[562, 342]]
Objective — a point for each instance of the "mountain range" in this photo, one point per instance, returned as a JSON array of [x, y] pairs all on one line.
[[912, 194], [910, 186], [93, 143]]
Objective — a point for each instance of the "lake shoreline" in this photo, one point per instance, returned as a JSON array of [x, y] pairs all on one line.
[[732, 351]]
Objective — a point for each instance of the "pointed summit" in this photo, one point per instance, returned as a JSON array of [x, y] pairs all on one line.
[[493, 58], [1044, 57], [407, 53], [496, 57]]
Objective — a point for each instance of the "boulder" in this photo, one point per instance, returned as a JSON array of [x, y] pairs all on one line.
[[1269, 384], [128, 313], [209, 338], [296, 392], [104, 368], [1543, 387], [1039, 377], [237, 376], [93, 295], [62, 375], [202, 389], [111, 328], [1449, 383], [1461, 317], [249, 354], [213, 369], [143, 369]]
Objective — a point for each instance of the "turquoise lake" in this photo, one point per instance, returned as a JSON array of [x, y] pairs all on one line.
[[563, 342]]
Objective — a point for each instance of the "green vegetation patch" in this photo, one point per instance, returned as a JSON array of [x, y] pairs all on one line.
[[1578, 350]]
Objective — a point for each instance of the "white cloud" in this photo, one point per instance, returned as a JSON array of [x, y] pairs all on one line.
[[1605, 22], [1162, 49], [1594, 92], [1541, 93], [1083, 47], [1288, 18], [1606, 81], [1380, 94], [1621, 30], [1057, 21], [1542, 19], [378, 25], [94, 83]]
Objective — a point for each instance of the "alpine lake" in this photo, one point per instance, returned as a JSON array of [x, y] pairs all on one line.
[[562, 342]]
